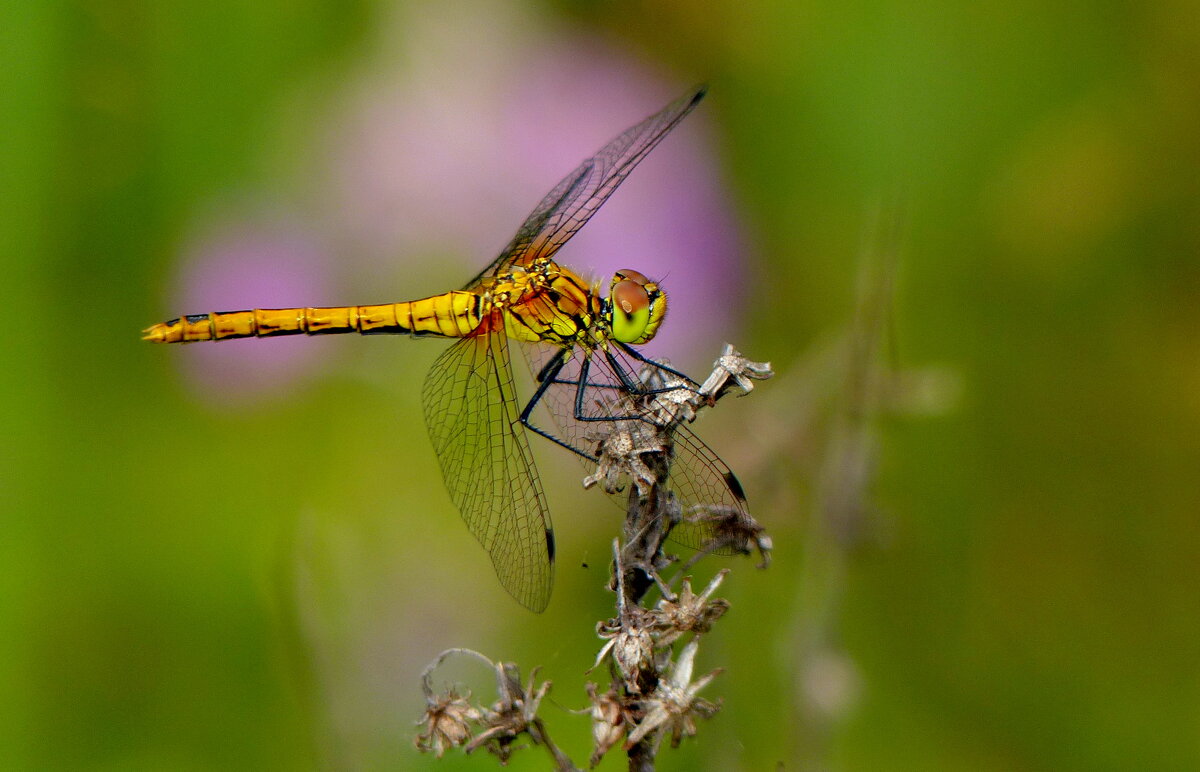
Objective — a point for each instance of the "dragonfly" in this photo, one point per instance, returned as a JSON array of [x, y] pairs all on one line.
[[579, 343]]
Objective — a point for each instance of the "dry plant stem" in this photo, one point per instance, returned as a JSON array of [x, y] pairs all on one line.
[[651, 514], [636, 565], [641, 756], [647, 522], [653, 694]]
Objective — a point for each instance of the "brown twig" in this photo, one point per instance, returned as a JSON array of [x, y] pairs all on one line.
[[655, 693]]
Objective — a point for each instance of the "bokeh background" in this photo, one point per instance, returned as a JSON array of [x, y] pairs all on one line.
[[966, 234]]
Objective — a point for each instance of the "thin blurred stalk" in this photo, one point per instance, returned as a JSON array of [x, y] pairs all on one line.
[[827, 679]]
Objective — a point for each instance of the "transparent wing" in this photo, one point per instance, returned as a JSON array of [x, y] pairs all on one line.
[[572, 202], [699, 478], [471, 413]]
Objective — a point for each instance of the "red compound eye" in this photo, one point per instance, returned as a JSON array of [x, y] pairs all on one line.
[[629, 297], [636, 305], [631, 275]]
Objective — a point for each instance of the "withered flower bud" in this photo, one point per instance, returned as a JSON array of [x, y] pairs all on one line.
[[673, 707], [447, 723], [689, 613], [633, 651], [608, 722]]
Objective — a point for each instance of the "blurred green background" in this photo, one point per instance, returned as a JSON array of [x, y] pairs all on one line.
[[968, 239]]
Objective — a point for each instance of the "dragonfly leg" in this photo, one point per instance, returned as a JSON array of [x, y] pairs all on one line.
[[581, 384], [552, 367], [555, 364], [639, 389], [581, 388], [631, 351], [546, 378], [570, 382], [627, 385]]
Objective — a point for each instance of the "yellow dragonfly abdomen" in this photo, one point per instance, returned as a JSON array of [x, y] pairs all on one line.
[[449, 315]]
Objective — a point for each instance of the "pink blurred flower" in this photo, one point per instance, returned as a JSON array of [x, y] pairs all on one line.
[[449, 155], [249, 263], [440, 156]]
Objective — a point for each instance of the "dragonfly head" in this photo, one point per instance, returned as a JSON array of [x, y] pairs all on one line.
[[636, 307]]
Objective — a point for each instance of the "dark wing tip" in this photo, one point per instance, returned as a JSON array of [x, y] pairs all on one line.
[[538, 597], [735, 487]]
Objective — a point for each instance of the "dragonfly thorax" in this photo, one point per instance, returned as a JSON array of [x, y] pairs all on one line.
[[636, 307], [545, 303]]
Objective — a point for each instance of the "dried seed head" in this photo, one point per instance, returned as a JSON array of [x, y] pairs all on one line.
[[633, 651], [673, 399], [731, 368], [510, 716], [620, 455], [689, 613], [447, 723], [674, 704], [608, 722]]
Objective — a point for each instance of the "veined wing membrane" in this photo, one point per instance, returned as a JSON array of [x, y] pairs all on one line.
[[574, 200], [471, 413], [699, 478]]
